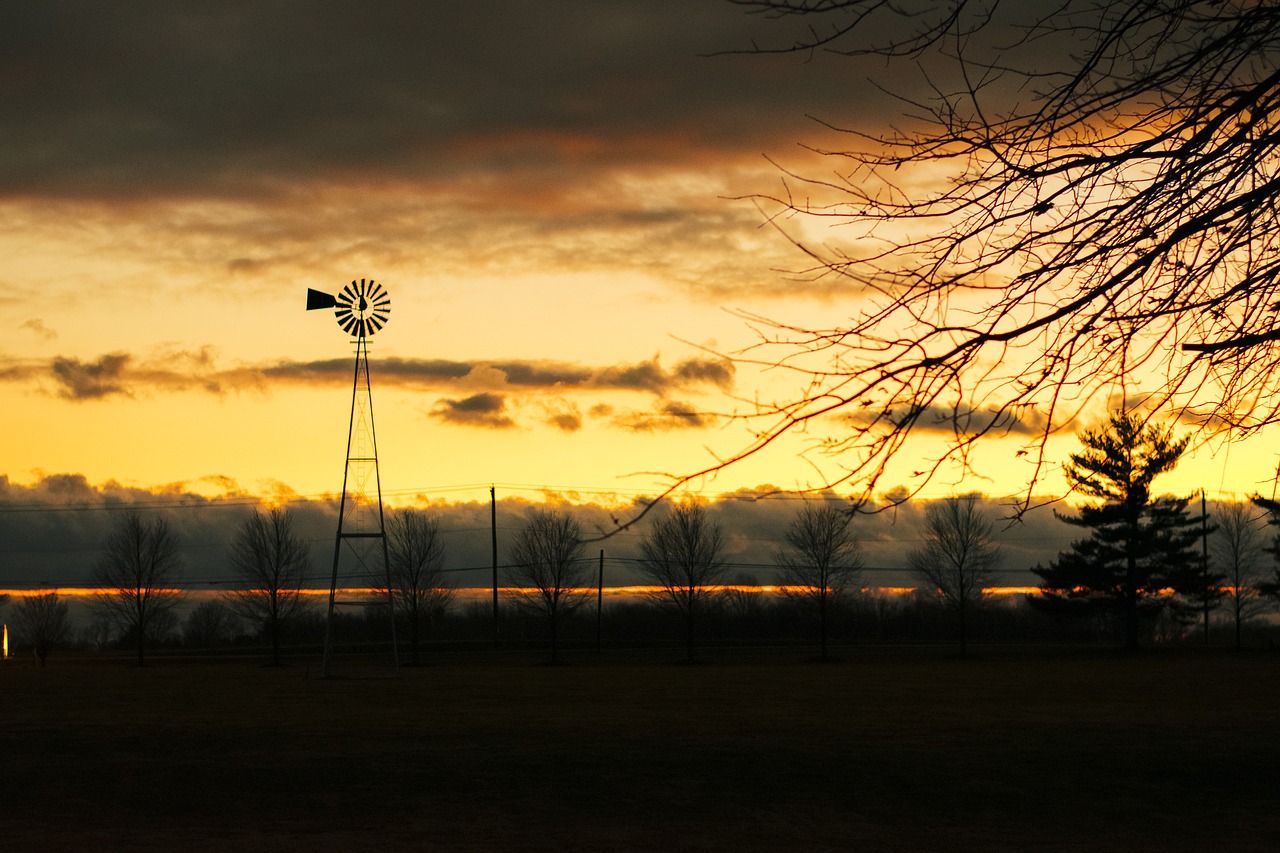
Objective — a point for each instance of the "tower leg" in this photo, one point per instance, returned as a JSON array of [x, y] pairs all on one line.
[[361, 462]]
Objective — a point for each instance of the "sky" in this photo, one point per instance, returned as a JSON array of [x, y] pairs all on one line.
[[557, 197]]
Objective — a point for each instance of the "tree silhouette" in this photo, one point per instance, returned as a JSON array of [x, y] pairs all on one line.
[[548, 570], [1238, 547], [209, 624], [958, 557], [821, 561], [1077, 199], [43, 621], [137, 574], [271, 563], [416, 555], [1271, 586], [1139, 545], [683, 554]]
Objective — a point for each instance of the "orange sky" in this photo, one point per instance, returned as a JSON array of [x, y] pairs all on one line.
[[555, 202]]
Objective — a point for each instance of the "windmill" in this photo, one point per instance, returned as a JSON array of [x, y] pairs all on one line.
[[361, 309]]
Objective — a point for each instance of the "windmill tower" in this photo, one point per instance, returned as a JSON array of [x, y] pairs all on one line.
[[361, 309]]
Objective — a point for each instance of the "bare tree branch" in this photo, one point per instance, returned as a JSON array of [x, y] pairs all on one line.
[[1080, 203]]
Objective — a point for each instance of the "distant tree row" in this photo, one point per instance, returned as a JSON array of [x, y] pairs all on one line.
[[1145, 557], [683, 558]]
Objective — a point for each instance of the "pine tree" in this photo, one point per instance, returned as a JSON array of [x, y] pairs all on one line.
[[1271, 587], [1139, 546]]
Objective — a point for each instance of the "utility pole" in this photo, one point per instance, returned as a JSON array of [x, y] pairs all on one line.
[[1204, 561], [599, 599], [493, 534]]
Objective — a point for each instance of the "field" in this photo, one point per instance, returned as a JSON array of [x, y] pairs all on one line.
[[888, 749]]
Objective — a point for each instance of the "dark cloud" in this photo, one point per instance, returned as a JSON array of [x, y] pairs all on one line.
[[648, 376], [563, 415], [566, 421], [53, 530], [157, 97], [125, 374], [669, 415], [964, 420], [718, 372], [116, 373], [484, 410], [93, 380]]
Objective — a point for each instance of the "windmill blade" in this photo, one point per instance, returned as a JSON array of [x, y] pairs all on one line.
[[361, 308], [318, 299]]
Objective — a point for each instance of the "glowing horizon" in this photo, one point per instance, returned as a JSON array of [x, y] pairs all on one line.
[[570, 271]]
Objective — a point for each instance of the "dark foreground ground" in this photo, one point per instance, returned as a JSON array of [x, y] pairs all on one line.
[[886, 750]]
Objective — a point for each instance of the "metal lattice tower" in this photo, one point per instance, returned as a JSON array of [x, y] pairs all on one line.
[[361, 309]]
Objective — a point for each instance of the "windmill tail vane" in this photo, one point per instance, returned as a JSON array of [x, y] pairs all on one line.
[[361, 308]]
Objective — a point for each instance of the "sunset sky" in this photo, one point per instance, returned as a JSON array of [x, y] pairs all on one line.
[[555, 196]]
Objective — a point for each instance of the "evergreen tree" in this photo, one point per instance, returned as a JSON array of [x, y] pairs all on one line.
[[1271, 586], [1139, 546]]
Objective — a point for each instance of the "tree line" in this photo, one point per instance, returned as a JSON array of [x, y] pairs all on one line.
[[1145, 558]]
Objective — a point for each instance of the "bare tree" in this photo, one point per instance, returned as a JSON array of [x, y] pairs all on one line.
[[683, 555], [1081, 200], [958, 556], [743, 598], [1238, 548], [416, 554], [548, 571], [210, 623], [822, 560], [138, 574], [271, 563], [42, 621]]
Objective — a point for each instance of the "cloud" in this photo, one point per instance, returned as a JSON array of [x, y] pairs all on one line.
[[124, 374], [486, 387], [54, 529], [563, 415], [668, 415], [39, 329], [238, 139], [645, 376], [148, 99], [718, 372], [93, 380], [484, 410], [650, 376], [178, 369], [963, 420]]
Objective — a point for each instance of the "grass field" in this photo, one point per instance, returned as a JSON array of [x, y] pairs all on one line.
[[885, 750]]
